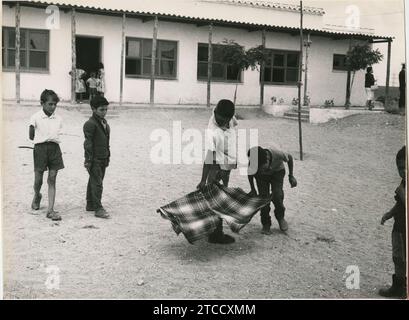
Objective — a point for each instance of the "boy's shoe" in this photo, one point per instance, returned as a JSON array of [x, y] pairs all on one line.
[[35, 205], [221, 239], [266, 230], [101, 213], [283, 224], [397, 290], [53, 216], [89, 208]]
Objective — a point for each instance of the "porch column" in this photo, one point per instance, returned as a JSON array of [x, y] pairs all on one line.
[[121, 74], [348, 88], [153, 61], [262, 68], [17, 53], [388, 71], [73, 56], [209, 64]]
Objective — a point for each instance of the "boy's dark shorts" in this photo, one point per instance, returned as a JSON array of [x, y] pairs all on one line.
[[47, 155]]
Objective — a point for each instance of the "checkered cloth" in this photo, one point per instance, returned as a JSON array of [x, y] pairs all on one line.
[[196, 214]]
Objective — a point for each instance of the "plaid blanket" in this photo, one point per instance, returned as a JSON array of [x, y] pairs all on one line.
[[196, 214]]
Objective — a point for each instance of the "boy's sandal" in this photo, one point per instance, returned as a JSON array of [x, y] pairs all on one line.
[[53, 216]]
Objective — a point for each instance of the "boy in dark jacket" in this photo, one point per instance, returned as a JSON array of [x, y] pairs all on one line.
[[97, 154], [398, 212]]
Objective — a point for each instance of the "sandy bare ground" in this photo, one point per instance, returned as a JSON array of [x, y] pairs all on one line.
[[346, 183]]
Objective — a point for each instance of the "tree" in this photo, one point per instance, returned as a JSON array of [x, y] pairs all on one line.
[[359, 57], [240, 59]]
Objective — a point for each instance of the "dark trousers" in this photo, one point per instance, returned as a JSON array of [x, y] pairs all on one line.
[[95, 183], [216, 175], [399, 253], [402, 98], [275, 183]]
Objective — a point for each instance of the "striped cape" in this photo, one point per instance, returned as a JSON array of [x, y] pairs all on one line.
[[196, 214]]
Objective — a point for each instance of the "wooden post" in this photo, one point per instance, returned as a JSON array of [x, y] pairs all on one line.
[[73, 56], [209, 64], [17, 53], [153, 60], [262, 68], [121, 75], [300, 81], [348, 89], [307, 47], [388, 72]]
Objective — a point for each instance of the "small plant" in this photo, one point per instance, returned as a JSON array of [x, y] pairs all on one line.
[[295, 102], [281, 101], [329, 103], [273, 100]]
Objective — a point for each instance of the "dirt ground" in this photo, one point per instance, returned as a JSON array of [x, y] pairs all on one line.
[[346, 182]]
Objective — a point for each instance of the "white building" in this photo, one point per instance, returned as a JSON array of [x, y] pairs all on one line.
[[182, 40]]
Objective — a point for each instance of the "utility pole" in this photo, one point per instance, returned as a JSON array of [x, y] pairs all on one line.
[[307, 45], [300, 81]]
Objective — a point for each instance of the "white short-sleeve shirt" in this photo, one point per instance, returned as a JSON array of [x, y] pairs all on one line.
[[224, 142], [47, 128]]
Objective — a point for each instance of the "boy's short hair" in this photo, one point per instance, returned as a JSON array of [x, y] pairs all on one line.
[[225, 108], [260, 152], [48, 93], [401, 155], [98, 101], [368, 69]]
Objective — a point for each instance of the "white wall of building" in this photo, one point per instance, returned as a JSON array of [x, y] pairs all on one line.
[[323, 82]]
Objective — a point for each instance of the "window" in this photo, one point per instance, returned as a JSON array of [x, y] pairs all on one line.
[[34, 49], [221, 71], [282, 67], [139, 55], [340, 62]]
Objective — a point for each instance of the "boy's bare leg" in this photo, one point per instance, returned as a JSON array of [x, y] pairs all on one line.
[[52, 178], [38, 182]]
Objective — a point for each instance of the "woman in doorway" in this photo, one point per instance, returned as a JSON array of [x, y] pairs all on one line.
[[80, 88], [101, 80], [369, 87]]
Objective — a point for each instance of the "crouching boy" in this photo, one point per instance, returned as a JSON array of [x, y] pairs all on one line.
[[267, 167]]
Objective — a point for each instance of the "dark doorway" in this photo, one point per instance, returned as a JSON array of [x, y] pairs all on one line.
[[88, 50]]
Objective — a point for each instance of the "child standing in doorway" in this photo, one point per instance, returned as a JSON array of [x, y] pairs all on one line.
[[101, 80], [92, 84]]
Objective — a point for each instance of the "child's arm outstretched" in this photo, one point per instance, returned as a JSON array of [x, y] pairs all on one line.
[[290, 163], [391, 213], [398, 207], [210, 158]]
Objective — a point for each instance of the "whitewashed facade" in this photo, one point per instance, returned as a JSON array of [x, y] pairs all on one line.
[[323, 82]]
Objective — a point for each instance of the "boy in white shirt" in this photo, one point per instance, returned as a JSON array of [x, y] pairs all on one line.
[[45, 129], [221, 156]]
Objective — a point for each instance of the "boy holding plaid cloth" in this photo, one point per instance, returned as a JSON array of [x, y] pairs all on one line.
[[221, 156]]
